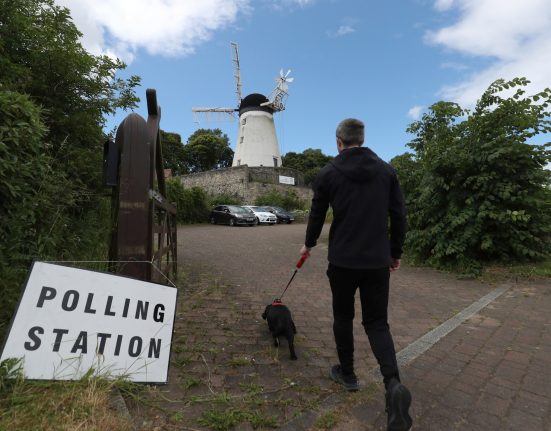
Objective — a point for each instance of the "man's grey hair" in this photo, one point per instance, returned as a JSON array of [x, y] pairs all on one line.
[[351, 132]]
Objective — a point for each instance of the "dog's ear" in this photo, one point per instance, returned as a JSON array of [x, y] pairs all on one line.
[[265, 314]]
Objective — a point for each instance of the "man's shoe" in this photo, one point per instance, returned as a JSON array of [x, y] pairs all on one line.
[[398, 400], [349, 381]]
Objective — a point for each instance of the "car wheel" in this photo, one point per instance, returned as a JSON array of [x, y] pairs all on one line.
[[212, 220], [251, 225], [232, 222], [289, 222], [257, 221]]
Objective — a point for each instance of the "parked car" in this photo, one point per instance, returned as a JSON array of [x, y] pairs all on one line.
[[262, 214], [283, 216], [232, 215]]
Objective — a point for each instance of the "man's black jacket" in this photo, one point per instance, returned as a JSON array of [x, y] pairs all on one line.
[[363, 191]]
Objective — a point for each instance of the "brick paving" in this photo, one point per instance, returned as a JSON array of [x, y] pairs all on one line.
[[492, 372], [259, 262]]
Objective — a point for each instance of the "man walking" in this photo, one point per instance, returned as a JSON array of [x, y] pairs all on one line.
[[364, 193]]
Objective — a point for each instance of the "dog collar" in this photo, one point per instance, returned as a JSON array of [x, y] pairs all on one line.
[[276, 303]]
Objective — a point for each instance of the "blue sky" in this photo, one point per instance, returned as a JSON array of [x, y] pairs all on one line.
[[382, 62]]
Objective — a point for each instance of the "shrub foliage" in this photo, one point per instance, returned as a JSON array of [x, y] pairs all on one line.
[[476, 189], [191, 204], [54, 96], [288, 199]]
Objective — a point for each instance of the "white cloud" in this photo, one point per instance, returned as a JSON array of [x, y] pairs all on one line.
[[165, 27], [300, 3], [282, 5], [343, 30], [415, 112], [443, 5], [515, 34], [454, 66]]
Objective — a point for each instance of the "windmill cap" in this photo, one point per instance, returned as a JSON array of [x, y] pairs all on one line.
[[254, 99], [252, 102]]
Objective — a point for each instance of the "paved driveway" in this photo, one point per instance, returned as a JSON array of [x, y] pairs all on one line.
[[259, 262], [492, 372]]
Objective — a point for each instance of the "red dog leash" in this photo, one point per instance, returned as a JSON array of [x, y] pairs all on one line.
[[301, 261]]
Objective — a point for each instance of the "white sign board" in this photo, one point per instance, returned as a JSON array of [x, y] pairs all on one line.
[[286, 180], [72, 320]]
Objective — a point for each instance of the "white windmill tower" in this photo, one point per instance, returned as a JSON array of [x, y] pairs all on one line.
[[257, 143]]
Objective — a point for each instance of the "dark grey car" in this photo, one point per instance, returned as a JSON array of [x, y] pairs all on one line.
[[232, 215], [283, 216]]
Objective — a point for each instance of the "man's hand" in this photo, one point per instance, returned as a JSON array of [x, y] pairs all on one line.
[[394, 264], [305, 251]]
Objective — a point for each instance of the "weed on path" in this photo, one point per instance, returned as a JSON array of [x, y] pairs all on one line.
[[224, 371]]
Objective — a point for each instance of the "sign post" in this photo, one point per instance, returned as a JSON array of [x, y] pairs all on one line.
[[70, 321]]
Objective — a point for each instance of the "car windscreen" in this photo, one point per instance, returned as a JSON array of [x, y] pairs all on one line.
[[263, 209], [239, 210]]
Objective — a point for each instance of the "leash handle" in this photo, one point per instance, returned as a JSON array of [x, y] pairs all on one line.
[[299, 265], [301, 261]]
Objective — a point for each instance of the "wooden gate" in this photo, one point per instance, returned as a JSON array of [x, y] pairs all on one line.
[[143, 237]]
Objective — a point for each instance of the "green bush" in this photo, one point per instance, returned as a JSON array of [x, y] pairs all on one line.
[[191, 204], [24, 194], [224, 199], [288, 200], [477, 191], [54, 96], [42, 215]]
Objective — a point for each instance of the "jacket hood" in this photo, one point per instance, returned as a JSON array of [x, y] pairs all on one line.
[[358, 164]]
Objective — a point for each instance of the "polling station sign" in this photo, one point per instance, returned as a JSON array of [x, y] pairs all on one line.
[[71, 320]]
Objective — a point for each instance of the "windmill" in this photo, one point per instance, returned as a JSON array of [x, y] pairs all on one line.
[[257, 143]]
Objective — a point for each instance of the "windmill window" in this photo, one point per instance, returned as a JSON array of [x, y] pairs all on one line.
[[275, 162], [243, 121], [242, 138], [239, 163]]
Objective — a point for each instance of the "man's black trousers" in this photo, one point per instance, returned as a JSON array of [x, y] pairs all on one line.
[[373, 285]]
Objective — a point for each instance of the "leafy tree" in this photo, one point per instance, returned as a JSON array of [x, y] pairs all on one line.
[[54, 96], [208, 149], [41, 55], [174, 155], [408, 169], [477, 190], [309, 162]]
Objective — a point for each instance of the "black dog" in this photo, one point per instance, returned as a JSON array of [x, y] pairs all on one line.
[[281, 323]]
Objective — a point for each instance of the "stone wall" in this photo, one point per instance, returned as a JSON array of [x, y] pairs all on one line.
[[266, 174], [257, 189], [230, 181], [247, 183]]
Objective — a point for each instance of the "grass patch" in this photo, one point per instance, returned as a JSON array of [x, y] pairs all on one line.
[[229, 418], [531, 270], [240, 362], [191, 382], [528, 271], [48, 405], [327, 420], [221, 398], [177, 417], [251, 388], [182, 361]]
